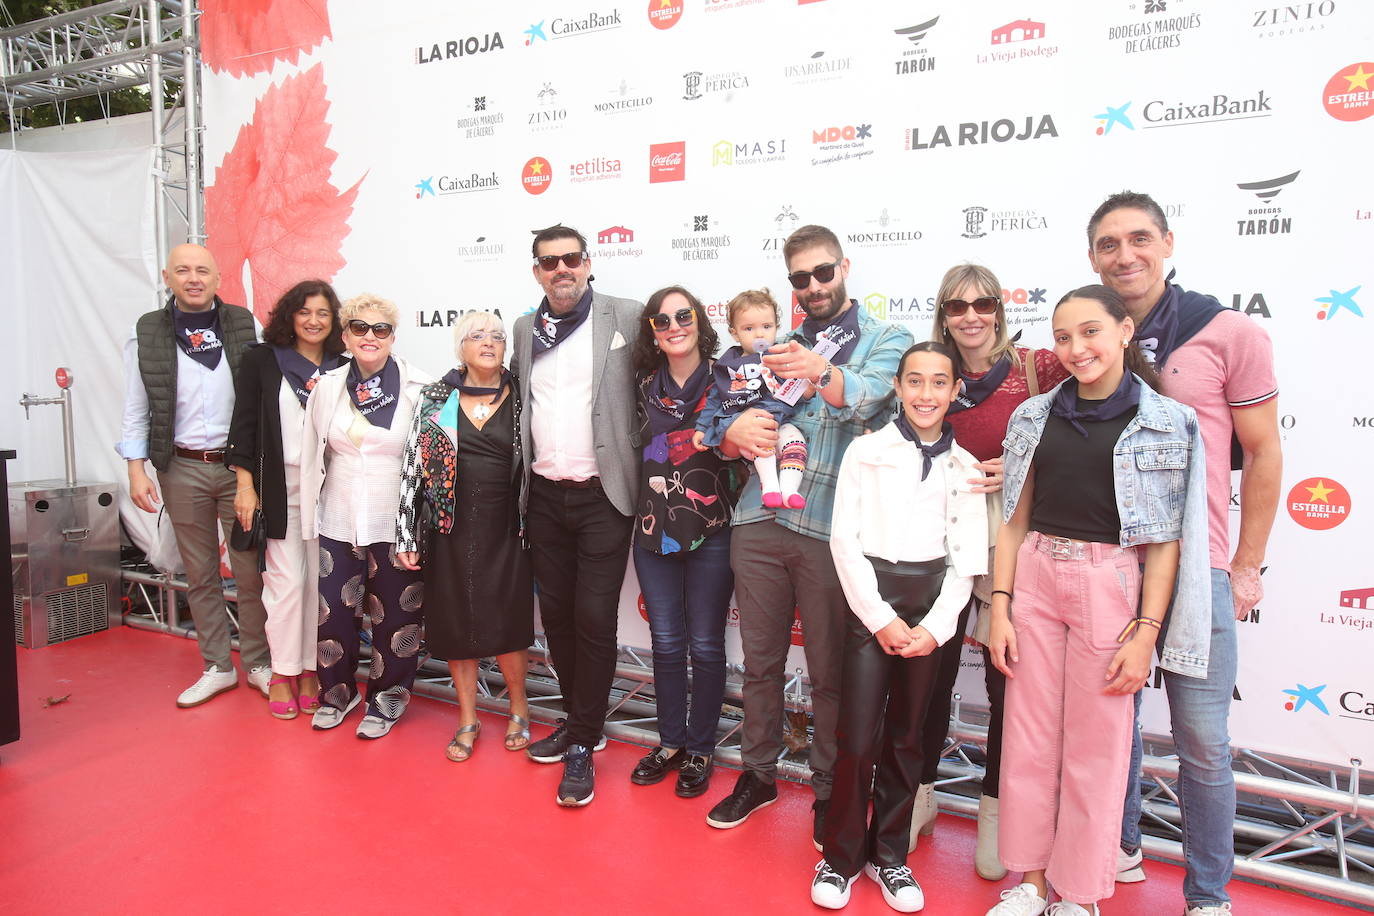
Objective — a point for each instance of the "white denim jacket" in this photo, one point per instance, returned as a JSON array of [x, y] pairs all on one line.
[[873, 518]]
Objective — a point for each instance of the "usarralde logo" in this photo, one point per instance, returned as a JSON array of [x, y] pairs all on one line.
[[664, 14], [536, 175], [1348, 96], [1319, 503]]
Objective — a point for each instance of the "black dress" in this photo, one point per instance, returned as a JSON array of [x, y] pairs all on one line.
[[479, 594]]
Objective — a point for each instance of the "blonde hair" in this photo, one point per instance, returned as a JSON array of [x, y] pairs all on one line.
[[986, 282], [474, 320], [751, 299], [354, 308]]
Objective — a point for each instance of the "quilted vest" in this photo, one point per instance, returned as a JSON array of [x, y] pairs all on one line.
[[157, 364]]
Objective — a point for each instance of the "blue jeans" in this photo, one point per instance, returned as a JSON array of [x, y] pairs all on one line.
[[1198, 710], [687, 595]]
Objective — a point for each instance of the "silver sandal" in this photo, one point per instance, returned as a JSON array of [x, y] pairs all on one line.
[[463, 747], [522, 736]]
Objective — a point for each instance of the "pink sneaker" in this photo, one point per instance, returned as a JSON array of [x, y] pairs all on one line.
[[772, 500], [796, 501]]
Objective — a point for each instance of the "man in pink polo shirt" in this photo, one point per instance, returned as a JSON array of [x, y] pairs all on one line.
[[1220, 363]]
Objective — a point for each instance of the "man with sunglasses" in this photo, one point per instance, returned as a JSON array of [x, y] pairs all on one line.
[[781, 559], [572, 360], [1221, 364], [179, 363]]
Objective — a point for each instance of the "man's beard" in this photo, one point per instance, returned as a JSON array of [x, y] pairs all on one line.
[[826, 310], [564, 298]]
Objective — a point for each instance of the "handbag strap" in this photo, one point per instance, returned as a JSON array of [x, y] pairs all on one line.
[[1032, 377]]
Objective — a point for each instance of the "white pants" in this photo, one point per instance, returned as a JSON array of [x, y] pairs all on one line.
[[291, 591]]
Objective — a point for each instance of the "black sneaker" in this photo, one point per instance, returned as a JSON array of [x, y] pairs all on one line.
[[694, 777], [749, 795], [818, 809], [552, 748], [900, 889], [829, 888], [577, 787], [654, 766]]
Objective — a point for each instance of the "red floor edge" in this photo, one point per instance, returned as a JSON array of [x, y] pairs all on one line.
[[115, 801]]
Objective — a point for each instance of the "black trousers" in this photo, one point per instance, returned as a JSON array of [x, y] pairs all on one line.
[[936, 730], [579, 548], [883, 701]]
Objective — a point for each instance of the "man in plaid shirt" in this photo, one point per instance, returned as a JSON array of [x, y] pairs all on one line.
[[781, 558]]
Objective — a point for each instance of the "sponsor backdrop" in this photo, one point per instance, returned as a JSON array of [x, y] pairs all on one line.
[[412, 156]]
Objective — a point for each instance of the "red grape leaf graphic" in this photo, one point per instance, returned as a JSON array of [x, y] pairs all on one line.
[[246, 37], [272, 204]]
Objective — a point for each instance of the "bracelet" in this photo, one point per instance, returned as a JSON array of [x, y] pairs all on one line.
[[1001, 591], [1131, 627]]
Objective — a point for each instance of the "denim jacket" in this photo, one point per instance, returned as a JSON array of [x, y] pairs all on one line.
[[1161, 495]]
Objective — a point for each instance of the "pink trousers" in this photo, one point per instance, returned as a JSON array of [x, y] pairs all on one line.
[[1066, 741]]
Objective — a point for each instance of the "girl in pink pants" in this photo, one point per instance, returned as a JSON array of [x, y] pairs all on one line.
[[1097, 475]]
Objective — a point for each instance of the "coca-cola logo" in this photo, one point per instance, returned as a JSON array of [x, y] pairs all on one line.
[[668, 161]]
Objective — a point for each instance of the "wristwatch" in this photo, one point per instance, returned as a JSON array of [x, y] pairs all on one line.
[[823, 380]]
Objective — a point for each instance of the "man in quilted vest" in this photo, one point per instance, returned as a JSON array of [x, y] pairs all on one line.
[[179, 365]]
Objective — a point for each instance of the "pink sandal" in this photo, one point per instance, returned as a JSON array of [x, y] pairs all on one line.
[[283, 709], [309, 702]]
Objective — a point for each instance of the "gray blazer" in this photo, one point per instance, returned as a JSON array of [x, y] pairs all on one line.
[[615, 323]]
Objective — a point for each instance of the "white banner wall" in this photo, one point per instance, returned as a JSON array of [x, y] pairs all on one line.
[[412, 155]]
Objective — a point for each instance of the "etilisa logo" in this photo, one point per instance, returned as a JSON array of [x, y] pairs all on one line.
[[973, 133], [1337, 302], [459, 47], [537, 175], [664, 14], [597, 168], [1348, 96], [915, 58], [667, 161], [842, 143], [1267, 219], [748, 152], [1114, 117], [1026, 34], [1303, 696], [1319, 503]]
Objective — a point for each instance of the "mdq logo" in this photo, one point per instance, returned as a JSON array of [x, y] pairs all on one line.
[[748, 377], [1302, 695], [372, 388], [204, 337]]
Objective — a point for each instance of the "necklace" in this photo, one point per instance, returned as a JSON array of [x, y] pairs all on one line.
[[481, 411]]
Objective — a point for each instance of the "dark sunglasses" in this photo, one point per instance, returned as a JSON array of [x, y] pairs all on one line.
[[381, 331], [983, 305], [661, 322], [570, 260], [824, 273]]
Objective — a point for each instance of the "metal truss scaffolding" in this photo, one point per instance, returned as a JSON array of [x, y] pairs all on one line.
[[149, 45], [1298, 825]]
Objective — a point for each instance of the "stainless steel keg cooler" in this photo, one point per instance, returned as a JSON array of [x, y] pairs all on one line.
[[64, 536]]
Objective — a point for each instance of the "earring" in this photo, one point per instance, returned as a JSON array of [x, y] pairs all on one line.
[[1125, 343], [996, 326], [656, 343]]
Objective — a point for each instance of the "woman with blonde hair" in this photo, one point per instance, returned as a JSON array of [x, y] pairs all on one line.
[[460, 495], [355, 431]]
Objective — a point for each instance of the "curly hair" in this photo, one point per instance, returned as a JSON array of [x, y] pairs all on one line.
[[281, 326], [645, 356]]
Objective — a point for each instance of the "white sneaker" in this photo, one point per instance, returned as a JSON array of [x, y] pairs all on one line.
[[1210, 909], [329, 717], [211, 683], [1069, 908], [900, 889], [1129, 867], [261, 678], [829, 888], [1021, 900]]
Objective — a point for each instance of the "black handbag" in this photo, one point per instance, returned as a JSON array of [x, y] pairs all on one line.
[[426, 521], [255, 538]]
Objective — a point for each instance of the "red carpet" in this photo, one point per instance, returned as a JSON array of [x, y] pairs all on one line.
[[118, 802]]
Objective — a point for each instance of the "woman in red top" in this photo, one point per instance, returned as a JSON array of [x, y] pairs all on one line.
[[998, 376]]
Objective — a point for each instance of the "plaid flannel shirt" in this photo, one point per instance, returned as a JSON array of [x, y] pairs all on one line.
[[868, 400]]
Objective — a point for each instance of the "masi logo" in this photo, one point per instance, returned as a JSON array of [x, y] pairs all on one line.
[[969, 133], [459, 47], [915, 59], [1282, 21], [1268, 219], [748, 152]]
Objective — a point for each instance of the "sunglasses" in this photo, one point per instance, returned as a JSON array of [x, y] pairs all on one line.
[[570, 260], [381, 331], [661, 322], [823, 273], [983, 305]]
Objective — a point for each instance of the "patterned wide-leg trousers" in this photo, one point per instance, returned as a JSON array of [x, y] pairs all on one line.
[[361, 586]]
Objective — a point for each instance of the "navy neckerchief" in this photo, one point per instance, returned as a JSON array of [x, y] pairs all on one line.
[[550, 330], [198, 334], [300, 373], [457, 378], [976, 390], [843, 329], [928, 452], [668, 402], [1177, 316], [1065, 403], [377, 397]]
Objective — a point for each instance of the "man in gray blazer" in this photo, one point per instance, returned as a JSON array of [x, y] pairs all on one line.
[[572, 358]]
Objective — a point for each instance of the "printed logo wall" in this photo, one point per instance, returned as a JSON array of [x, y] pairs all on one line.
[[411, 155]]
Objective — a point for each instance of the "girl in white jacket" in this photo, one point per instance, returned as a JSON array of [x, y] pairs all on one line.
[[908, 537]]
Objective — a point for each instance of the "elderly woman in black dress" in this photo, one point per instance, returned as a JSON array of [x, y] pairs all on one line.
[[460, 495]]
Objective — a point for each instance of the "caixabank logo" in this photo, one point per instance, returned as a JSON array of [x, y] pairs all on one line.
[[1301, 696], [1319, 503], [1348, 96], [974, 133], [1357, 704], [456, 48], [446, 185], [1266, 218], [1206, 109], [1336, 302], [579, 25], [916, 55]]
